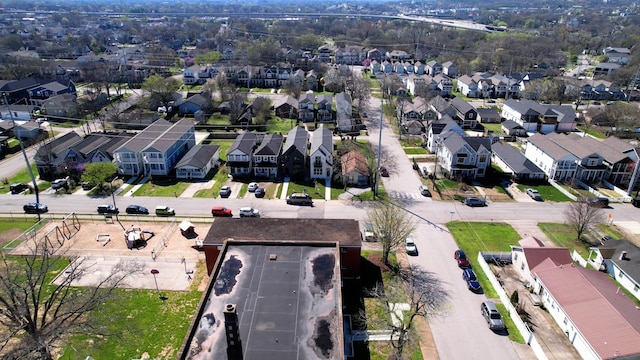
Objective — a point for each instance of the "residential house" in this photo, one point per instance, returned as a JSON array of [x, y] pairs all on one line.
[[343, 112], [556, 162], [398, 55], [324, 53], [286, 107], [40, 93], [618, 55], [474, 87], [156, 149], [449, 69], [312, 80], [375, 55], [321, 154], [598, 319], [488, 115], [605, 69], [513, 163], [621, 260], [325, 108], [294, 153], [266, 158], [77, 157], [350, 55], [306, 107], [466, 114], [512, 128], [531, 252], [534, 117], [65, 105], [419, 68], [433, 68], [17, 91], [355, 171], [444, 85], [591, 168], [27, 130], [462, 156], [240, 154], [50, 157], [17, 113], [198, 161], [105, 152], [437, 127], [192, 104]]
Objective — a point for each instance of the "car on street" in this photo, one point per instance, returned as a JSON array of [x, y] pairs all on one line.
[[252, 187], [384, 172], [163, 210], [534, 194], [601, 202], [221, 211], [249, 212], [17, 188], [424, 190], [299, 199], [472, 281], [491, 101], [35, 208], [137, 210], [491, 314], [107, 209], [259, 193], [225, 191], [461, 258], [59, 184], [474, 201], [410, 246], [369, 234]]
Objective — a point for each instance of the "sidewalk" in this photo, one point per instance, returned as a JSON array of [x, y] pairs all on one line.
[[193, 188], [134, 188], [285, 188]]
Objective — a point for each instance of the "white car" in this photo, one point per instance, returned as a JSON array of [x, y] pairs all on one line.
[[410, 246], [252, 187], [534, 194], [249, 212]]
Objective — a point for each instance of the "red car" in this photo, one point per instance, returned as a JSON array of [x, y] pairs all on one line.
[[221, 211], [461, 258]]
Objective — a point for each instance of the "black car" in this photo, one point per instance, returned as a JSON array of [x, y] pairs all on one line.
[[137, 209], [259, 192], [107, 209], [17, 188], [35, 208], [601, 202]]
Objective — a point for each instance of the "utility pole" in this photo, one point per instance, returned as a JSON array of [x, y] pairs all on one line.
[[377, 174], [24, 154]]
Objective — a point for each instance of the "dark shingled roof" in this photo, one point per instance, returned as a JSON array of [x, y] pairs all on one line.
[[346, 232], [198, 156]]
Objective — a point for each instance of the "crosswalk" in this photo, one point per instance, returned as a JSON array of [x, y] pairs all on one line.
[[401, 195]]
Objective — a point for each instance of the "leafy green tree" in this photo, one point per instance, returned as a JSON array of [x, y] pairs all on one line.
[[210, 57], [161, 88], [99, 173]]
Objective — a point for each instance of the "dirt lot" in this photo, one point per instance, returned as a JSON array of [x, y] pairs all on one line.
[[162, 240]]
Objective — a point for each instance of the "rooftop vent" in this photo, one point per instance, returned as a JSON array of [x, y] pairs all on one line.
[[273, 257], [623, 256]]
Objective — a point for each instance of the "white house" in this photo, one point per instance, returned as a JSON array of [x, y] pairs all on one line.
[[198, 161], [621, 260], [556, 162], [462, 156], [321, 154]]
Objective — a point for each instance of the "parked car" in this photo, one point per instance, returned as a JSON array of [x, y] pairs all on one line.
[[221, 211], [384, 172], [225, 191], [602, 202], [87, 185], [137, 209], [259, 193], [35, 208], [17, 188], [107, 209], [299, 199], [474, 201], [491, 314], [424, 190], [252, 187], [59, 184], [461, 258], [249, 212], [369, 234], [534, 194], [491, 101], [472, 281], [410, 246], [606, 238], [163, 210]]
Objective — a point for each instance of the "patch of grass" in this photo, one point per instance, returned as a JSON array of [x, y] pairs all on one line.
[[162, 187], [548, 192], [495, 128], [446, 184], [514, 334], [593, 132], [474, 237], [564, 236], [280, 125], [21, 177], [316, 191], [415, 151], [220, 176]]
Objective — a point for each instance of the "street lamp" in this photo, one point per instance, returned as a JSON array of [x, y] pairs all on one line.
[[156, 272], [451, 213], [113, 191]]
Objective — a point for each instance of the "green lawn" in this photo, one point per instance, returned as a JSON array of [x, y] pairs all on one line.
[[564, 236], [548, 192], [280, 125], [495, 128], [162, 187], [415, 151], [21, 177]]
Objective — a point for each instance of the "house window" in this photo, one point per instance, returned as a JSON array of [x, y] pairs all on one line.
[[565, 320], [522, 266], [483, 158], [317, 171], [636, 288]]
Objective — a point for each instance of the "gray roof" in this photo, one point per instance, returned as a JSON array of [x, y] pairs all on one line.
[[198, 156], [322, 137], [549, 147], [490, 113], [461, 105], [271, 145], [169, 137], [286, 100], [296, 138], [515, 159], [478, 142], [58, 145], [572, 146], [510, 125], [152, 132], [630, 266], [244, 142]]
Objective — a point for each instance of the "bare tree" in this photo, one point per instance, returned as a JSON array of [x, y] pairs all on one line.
[[581, 215], [37, 313], [392, 224], [421, 290], [161, 89]]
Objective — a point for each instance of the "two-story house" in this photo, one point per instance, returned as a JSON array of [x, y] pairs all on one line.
[[325, 110], [556, 162], [266, 157], [466, 114], [294, 154], [343, 112], [463, 156], [321, 154], [286, 107], [306, 107], [156, 149], [621, 260], [39, 94], [50, 157], [240, 154]]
